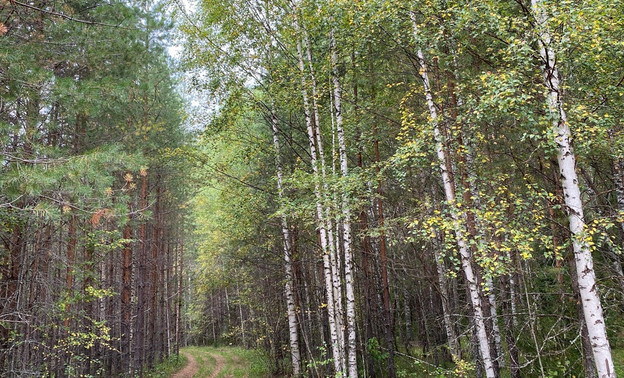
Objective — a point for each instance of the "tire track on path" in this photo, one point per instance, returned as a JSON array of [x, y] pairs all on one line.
[[192, 367], [219, 365]]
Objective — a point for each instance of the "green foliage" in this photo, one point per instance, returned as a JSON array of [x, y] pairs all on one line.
[[324, 360], [373, 349], [168, 367], [487, 86], [87, 102], [237, 362]]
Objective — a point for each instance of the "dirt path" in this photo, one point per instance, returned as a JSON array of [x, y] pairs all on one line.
[[219, 365], [190, 369]]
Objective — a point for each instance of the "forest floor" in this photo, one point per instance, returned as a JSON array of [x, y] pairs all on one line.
[[211, 362], [190, 369]]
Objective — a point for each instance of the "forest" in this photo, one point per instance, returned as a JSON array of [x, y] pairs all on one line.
[[359, 188]]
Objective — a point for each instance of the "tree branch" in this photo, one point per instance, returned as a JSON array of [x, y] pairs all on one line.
[[64, 16]]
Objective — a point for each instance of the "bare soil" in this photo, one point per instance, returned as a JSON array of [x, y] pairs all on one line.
[[190, 369], [219, 365]]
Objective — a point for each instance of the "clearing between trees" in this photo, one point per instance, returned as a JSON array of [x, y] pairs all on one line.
[[222, 362]]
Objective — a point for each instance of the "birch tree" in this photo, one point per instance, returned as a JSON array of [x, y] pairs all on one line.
[[288, 286], [346, 215], [566, 159], [330, 270], [449, 190]]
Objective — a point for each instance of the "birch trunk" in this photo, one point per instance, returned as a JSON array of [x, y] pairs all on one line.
[[288, 287], [333, 332], [332, 233], [346, 217], [498, 345], [566, 159], [465, 255], [618, 170], [473, 201]]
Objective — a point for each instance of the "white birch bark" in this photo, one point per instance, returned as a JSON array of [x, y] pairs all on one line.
[[566, 159], [346, 216], [335, 221], [335, 264], [618, 170], [449, 191], [513, 296], [495, 328], [332, 237], [333, 332], [288, 286], [472, 183], [240, 306]]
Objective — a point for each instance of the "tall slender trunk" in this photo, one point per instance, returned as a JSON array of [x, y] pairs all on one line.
[[365, 275], [71, 258], [167, 297], [9, 276], [510, 330], [333, 331], [566, 159], [334, 228], [471, 201], [588, 360], [464, 251], [126, 292], [333, 238], [240, 315], [90, 308], [618, 171], [152, 329], [289, 284], [346, 218], [139, 345], [179, 297], [446, 310], [389, 319]]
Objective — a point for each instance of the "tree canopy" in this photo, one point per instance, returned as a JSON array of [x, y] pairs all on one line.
[[357, 188]]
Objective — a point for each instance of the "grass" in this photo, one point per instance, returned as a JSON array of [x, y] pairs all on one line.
[[237, 362], [618, 361], [168, 367]]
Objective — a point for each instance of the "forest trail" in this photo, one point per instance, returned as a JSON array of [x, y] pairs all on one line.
[[211, 362], [190, 369], [220, 361]]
